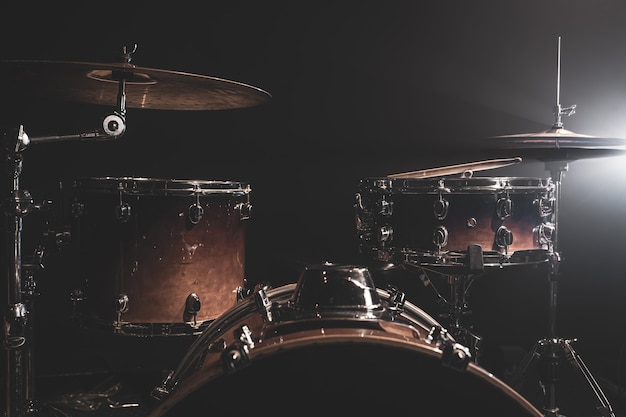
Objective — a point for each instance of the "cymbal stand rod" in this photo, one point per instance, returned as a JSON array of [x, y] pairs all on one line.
[[558, 110], [16, 319]]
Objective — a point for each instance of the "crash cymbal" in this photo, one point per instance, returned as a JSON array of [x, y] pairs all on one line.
[[558, 143], [145, 88]]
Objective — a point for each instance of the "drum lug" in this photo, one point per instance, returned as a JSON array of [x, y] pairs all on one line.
[[545, 206], [245, 210], [440, 208], [238, 354], [440, 237], [121, 307], [504, 207], [504, 237], [122, 212], [192, 306], [385, 208], [385, 234], [195, 213], [543, 235]]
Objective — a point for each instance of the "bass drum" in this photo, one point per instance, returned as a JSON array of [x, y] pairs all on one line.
[[331, 344]]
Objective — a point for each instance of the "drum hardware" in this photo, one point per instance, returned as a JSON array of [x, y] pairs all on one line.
[[192, 307], [21, 282], [18, 319], [551, 350]]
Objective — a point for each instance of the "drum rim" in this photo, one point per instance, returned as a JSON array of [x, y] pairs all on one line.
[[453, 184], [159, 186]]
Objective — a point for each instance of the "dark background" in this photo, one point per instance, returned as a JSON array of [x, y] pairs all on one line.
[[359, 90]]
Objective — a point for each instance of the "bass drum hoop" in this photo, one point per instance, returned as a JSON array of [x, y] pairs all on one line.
[[180, 392]]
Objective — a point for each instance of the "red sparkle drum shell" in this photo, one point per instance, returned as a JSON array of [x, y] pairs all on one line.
[[168, 246], [410, 216], [337, 367]]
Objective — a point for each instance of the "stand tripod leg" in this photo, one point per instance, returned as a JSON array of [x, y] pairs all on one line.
[[604, 406], [549, 353], [516, 379]]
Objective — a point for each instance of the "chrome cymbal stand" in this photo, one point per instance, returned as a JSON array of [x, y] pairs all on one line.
[[20, 398], [551, 350]]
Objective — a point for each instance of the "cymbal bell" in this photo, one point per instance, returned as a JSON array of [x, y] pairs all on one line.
[[558, 143], [145, 88]]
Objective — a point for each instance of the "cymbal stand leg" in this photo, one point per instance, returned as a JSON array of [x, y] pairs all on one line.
[[575, 359]]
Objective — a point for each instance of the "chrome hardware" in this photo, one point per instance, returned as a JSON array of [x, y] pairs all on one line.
[[385, 208], [237, 354], [264, 304], [440, 237], [358, 202], [471, 223], [193, 304], [195, 213], [545, 206], [397, 299], [122, 212], [544, 235], [385, 234], [454, 355], [504, 237], [245, 210], [440, 207], [504, 207], [121, 304]]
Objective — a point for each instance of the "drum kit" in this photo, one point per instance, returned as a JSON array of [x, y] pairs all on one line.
[[331, 336]]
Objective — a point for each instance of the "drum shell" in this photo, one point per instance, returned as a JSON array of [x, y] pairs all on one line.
[[157, 256], [406, 208], [332, 367]]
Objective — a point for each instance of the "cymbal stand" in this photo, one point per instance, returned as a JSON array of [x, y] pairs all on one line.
[[552, 349], [18, 327]]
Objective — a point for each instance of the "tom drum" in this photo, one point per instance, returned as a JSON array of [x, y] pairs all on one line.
[[159, 256]]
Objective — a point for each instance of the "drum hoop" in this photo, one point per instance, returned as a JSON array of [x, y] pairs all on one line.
[[469, 185], [161, 186], [248, 305]]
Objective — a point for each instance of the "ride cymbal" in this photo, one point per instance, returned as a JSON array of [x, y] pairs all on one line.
[[145, 88]]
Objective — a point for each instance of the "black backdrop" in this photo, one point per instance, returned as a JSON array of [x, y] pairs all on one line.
[[359, 90]]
